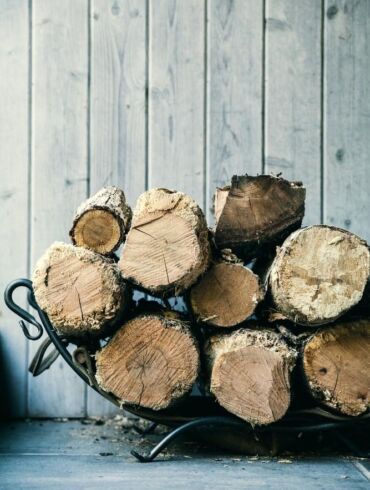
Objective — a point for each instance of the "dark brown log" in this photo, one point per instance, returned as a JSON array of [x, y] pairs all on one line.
[[152, 361], [167, 248], [82, 292], [256, 211], [101, 222], [226, 295], [318, 274], [250, 374], [336, 364]]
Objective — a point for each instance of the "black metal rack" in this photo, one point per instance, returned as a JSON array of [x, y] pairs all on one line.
[[198, 413]]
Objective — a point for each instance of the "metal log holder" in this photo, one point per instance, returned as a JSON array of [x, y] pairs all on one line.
[[197, 413]]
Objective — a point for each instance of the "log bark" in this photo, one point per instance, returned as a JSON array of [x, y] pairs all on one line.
[[152, 362], [82, 292], [256, 211], [167, 247], [318, 274], [250, 374], [337, 366], [226, 295], [101, 222]]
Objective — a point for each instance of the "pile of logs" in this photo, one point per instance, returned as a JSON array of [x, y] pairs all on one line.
[[275, 315]]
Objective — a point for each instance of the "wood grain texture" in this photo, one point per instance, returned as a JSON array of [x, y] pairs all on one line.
[[293, 96], [14, 91], [234, 117], [347, 115], [59, 162], [118, 110], [176, 96]]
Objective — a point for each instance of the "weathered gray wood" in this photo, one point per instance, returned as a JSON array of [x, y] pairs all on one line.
[[234, 122], [176, 96], [118, 78], [59, 162], [347, 115], [118, 114], [14, 90], [293, 96]]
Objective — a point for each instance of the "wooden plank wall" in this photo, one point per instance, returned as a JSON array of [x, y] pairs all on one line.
[[182, 94]]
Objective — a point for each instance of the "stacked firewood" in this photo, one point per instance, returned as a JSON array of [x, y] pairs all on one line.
[[275, 315]]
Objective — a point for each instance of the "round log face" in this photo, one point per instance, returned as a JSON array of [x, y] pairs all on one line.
[[226, 295], [319, 273], [158, 254], [252, 383], [337, 367], [151, 362], [81, 292], [99, 230], [76, 290]]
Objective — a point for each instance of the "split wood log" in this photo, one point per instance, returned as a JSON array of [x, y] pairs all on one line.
[[101, 222], [257, 211], [82, 292], [336, 364], [152, 361], [226, 295], [250, 373], [167, 247], [318, 274]]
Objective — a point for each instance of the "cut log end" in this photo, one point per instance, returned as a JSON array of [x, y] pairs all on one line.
[[256, 211], [319, 273], [337, 367], [81, 292], [250, 374], [226, 295], [102, 221], [98, 230], [167, 247], [152, 362]]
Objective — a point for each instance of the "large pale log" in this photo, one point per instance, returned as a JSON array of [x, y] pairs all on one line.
[[250, 373], [167, 247], [336, 364], [256, 211], [152, 361], [226, 295], [82, 292], [102, 221], [318, 274]]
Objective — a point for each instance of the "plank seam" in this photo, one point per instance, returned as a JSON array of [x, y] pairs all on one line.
[[205, 116], [263, 89], [147, 26], [29, 181], [322, 111]]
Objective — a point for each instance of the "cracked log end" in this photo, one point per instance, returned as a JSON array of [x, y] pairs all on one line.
[[102, 221], [250, 374], [226, 295], [167, 247], [257, 211], [81, 292], [152, 361], [319, 273], [337, 366]]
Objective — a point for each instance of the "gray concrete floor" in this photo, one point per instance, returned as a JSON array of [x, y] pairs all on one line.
[[92, 454]]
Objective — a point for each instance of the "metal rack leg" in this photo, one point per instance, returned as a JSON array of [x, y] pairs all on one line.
[[179, 431]]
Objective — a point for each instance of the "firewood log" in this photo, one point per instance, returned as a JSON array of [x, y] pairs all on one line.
[[167, 247], [82, 292], [250, 373], [102, 221], [318, 274], [226, 295], [256, 211], [336, 363], [152, 361]]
